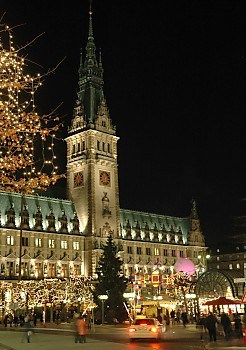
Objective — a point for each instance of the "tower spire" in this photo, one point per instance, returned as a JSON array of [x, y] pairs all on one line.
[[91, 60], [91, 82]]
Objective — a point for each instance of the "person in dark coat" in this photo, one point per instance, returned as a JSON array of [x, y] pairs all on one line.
[[238, 327], [184, 318], [226, 323], [211, 322], [5, 320], [27, 327]]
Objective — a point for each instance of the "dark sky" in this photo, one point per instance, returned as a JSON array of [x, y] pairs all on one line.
[[175, 84]]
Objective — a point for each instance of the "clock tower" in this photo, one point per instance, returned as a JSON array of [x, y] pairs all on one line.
[[92, 170]]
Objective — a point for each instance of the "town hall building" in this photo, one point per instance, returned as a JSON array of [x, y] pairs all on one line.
[[64, 237]]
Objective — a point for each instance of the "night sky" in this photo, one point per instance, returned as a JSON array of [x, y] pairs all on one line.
[[175, 85]]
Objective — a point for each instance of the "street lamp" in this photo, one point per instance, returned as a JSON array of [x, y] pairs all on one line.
[[103, 297]]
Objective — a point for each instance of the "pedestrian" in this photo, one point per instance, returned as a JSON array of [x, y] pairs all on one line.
[[159, 318], [15, 320], [80, 329], [178, 315], [211, 323], [226, 324], [5, 320], [35, 317], [184, 318], [11, 319], [238, 326], [201, 325], [172, 315], [27, 328]]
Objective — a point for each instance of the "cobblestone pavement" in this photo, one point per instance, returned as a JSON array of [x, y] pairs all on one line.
[[60, 337]]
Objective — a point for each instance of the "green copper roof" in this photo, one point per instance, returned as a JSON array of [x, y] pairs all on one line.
[[155, 221], [47, 205]]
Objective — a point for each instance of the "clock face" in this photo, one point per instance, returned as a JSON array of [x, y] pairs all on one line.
[[104, 178], [78, 179]]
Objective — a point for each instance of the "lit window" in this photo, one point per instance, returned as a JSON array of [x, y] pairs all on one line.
[[76, 245], [38, 242], [64, 244], [218, 258], [10, 240], [218, 250], [230, 266], [238, 266], [218, 267], [156, 251], [51, 243]]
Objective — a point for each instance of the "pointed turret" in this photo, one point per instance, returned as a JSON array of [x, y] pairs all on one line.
[[194, 214]]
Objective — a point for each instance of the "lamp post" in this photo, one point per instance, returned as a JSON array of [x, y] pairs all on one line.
[[103, 297]]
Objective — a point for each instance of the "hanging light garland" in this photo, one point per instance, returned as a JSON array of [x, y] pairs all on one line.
[[22, 130]]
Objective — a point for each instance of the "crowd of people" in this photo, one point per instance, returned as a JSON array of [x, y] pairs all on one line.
[[226, 324], [18, 320], [229, 325]]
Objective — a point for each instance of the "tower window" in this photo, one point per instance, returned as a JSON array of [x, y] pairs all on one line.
[[104, 123], [165, 252], [109, 150], [78, 147], [98, 145], [83, 145], [129, 249], [103, 147], [73, 148]]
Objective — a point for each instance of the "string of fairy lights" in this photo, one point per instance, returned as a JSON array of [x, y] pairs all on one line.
[[27, 157], [30, 294]]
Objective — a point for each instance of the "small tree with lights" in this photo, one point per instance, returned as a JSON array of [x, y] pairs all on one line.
[[111, 282], [27, 159]]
